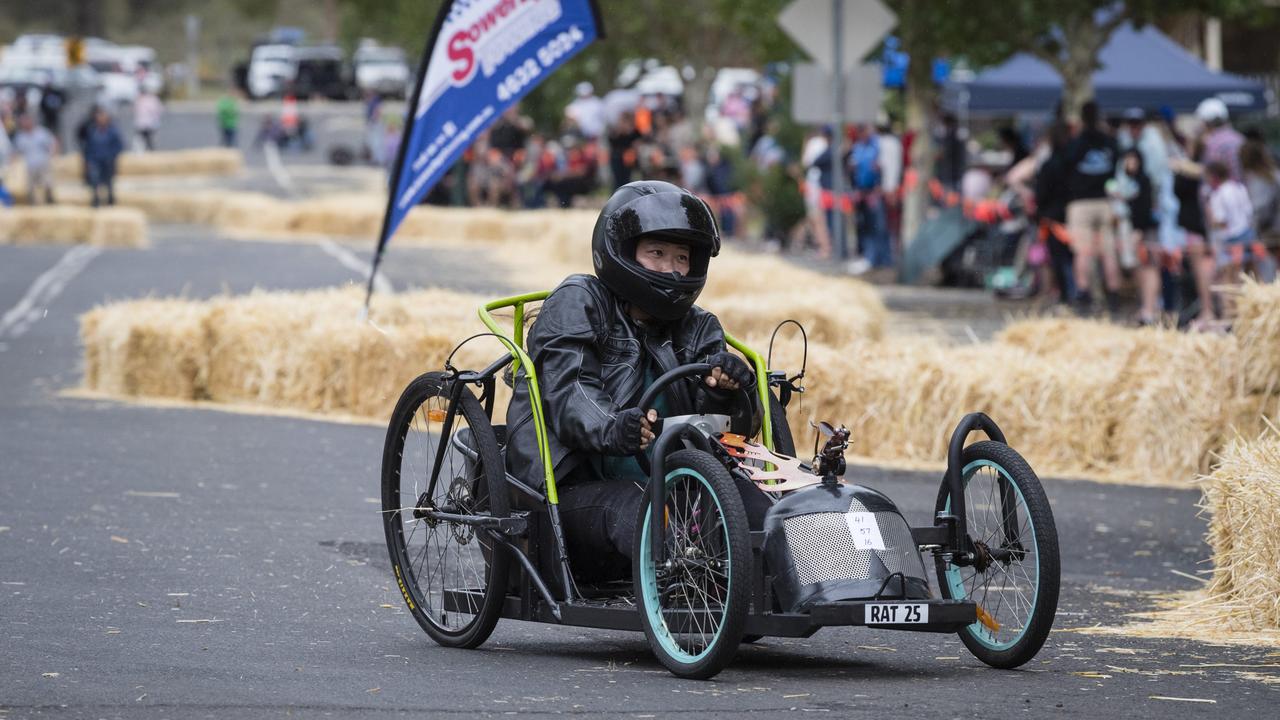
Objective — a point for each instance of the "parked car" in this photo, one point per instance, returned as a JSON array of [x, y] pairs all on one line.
[[321, 71], [271, 68], [382, 70]]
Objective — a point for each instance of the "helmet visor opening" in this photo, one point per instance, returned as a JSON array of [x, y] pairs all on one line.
[[699, 256]]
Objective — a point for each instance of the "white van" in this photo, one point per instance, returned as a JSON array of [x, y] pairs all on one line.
[[271, 68], [382, 70]]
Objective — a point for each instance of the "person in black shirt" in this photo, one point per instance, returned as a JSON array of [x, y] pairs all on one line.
[[51, 102], [623, 138], [1091, 161], [951, 161], [1146, 239], [1052, 196]]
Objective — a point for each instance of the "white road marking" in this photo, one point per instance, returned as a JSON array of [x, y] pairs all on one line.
[[35, 304], [272, 154], [381, 284]]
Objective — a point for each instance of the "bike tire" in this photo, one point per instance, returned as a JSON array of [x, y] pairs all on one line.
[[700, 496], [433, 599], [1007, 481]]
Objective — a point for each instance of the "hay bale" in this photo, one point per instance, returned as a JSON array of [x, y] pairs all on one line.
[[1177, 395], [109, 227], [196, 161], [167, 206], [1243, 498], [46, 224], [303, 351], [308, 351], [253, 213], [1257, 326], [901, 398], [149, 347], [119, 227], [354, 216]]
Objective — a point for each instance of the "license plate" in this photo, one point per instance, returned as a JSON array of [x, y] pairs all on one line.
[[895, 613]]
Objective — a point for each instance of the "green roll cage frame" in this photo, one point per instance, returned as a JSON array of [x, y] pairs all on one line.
[[514, 341]]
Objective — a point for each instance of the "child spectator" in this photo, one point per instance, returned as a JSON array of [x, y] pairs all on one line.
[[1230, 220]]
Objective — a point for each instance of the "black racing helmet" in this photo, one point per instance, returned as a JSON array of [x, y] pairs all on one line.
[[663, 211]]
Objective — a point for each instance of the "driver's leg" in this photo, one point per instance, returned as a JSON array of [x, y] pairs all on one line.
[[599, 518]]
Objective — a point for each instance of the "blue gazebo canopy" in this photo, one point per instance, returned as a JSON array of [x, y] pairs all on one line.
[[1139, 68]]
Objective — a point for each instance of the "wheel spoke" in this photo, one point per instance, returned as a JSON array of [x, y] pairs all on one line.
[[1007, 588]]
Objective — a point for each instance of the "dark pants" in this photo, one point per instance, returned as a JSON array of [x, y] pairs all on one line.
[[100, 174], [228, 137], [600, 516], [1061, 261], [873, 231]]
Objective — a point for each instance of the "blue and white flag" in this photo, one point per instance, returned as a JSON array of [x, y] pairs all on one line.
[[484, 55]]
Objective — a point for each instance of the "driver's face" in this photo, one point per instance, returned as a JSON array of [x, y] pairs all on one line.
[[662, 256]]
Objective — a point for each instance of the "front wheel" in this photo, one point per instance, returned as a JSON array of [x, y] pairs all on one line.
[[1011, 525], [693, 604]]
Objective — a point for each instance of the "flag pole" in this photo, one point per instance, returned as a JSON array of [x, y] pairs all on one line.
[[394, 180]]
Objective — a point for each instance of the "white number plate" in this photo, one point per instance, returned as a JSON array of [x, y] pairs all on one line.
[[896, 613]]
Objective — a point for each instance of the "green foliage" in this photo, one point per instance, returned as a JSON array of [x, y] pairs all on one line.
[[775, 192]]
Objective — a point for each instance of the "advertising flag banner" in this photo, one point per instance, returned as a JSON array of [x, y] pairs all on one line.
[[483, 56]]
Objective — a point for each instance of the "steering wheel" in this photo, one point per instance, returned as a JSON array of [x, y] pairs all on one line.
[[740, 422]]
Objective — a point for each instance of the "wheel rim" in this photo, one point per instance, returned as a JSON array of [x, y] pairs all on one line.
[[700, 581], [440, 559], [1008, 592]]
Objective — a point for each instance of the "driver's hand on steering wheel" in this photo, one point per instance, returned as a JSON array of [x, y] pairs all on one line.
[[718, 378], [646, 428]]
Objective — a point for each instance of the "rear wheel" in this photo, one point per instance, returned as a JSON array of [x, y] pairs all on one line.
[[1015, 581], [693, 606], [452, 576]]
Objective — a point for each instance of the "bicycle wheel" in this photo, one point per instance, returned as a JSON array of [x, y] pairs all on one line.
[[1011, 524], [693, 606], [453, 576]]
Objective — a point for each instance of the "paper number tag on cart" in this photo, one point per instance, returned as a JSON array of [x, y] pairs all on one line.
[[865, 530]]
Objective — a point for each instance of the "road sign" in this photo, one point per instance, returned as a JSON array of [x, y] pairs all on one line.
[[811, 96], [863, 23]]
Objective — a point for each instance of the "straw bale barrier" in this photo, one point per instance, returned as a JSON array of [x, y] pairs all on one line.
[[299, 350], [1242, 496], [1076, 397], [107, 227], [1257, 325], [196, 161]]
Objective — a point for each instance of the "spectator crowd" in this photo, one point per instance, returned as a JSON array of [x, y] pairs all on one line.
[[1086, 212], [30, 127]]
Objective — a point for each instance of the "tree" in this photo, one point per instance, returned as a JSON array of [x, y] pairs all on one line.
[[1067, 34], [932, 29], [1070, 34]]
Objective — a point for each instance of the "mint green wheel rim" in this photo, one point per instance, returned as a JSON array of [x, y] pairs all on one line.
[[649, 580], [960, 586]]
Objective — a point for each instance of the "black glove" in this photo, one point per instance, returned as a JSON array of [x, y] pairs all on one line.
[[623, 436], [735, 367]]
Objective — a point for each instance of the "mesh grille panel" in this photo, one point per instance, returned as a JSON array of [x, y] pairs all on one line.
[[900, 553], [823, 547]]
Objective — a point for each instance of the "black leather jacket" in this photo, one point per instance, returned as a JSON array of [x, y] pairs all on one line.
[[593, 360]]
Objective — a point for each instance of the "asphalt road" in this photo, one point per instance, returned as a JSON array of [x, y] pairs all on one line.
[[161, 563]]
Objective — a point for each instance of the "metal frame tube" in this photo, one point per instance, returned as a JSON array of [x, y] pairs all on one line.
[[955, 483]]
